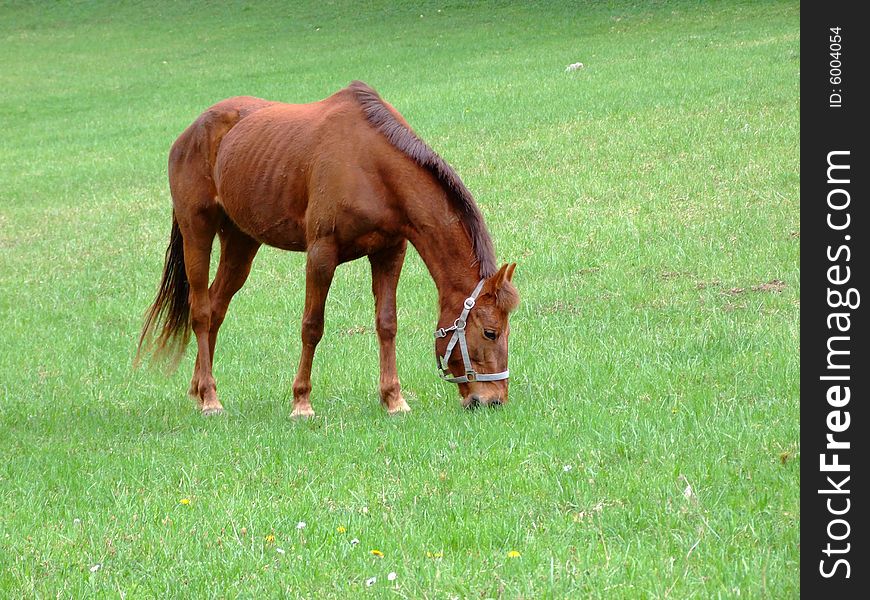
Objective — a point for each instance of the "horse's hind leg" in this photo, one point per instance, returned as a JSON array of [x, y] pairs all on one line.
[[198, 228], [237, 254], [386, 267], [319, 270]]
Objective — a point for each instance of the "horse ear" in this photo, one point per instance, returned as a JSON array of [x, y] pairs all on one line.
[[506, 296], [497, 281]]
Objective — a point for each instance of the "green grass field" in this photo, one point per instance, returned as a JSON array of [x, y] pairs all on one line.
[[650, 198]]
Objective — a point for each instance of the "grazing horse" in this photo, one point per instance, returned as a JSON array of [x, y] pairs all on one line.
[[341, 178]]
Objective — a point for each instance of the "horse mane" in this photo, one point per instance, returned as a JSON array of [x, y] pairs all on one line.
[[406, 141]]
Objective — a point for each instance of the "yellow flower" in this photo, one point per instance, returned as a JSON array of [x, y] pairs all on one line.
[[270, 539], [341, 529], [514, 554], [184, 501], [377, 553], [434, 555]]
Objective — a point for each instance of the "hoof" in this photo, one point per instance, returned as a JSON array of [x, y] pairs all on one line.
[[400, 408], [302, 412], [212, 411]]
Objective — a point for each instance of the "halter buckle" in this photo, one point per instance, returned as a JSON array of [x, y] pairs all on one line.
[[471, 376], [441, 333], [469, 303]]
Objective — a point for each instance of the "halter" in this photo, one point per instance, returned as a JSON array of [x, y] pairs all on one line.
[[458, 329]]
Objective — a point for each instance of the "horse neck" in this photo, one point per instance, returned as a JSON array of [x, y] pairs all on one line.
[[437, 232]]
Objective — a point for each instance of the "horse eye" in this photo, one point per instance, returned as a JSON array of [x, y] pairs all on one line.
[[490, 334]]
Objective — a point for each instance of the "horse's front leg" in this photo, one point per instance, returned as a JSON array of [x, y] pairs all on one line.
[[386, 267], [319, 269]]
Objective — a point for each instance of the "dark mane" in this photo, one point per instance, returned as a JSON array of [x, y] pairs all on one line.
[[406, 141]]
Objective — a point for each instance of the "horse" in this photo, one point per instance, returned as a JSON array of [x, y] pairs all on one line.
[[339, 179]]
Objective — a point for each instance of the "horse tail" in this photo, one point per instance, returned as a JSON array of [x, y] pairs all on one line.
[[171, 309]]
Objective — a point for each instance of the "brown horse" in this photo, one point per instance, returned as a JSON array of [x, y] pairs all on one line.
[[342, 178]]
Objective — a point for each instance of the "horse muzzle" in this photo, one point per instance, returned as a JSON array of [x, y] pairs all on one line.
[[474, 401]]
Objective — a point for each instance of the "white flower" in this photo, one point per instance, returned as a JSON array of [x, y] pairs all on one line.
[[279, 550], [300, 525], [567, 468], [96, 567], [371, 581], [687, 493], [573, 67], [392, 576], [354, 542], [77, 521]]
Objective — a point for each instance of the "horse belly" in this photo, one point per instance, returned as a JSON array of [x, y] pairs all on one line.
[[276, 229]]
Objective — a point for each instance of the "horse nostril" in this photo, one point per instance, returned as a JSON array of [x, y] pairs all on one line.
[[495, 402], [473, 402]]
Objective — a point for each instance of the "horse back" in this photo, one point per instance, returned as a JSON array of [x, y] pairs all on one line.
[[289, 174]]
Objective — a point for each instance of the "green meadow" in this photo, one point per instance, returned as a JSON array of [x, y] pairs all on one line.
[[650, 198]]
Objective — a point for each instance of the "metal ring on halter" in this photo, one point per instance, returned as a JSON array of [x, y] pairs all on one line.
[[459, 324], [468, 304]]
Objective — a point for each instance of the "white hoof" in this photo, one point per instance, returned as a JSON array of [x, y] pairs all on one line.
[[302, 412]]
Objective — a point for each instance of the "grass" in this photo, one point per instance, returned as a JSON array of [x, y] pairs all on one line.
[[647, 198]]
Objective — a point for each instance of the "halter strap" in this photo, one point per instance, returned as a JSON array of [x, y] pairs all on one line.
[[458, 329]]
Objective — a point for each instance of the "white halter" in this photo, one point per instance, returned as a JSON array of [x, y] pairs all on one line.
[[458, 329]]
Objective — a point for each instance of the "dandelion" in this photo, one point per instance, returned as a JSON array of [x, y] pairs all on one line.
[[377, 553], [270, 539], [341, 529], [392, 576], [434, 555], [513, 554], [354, 542], [371, 581], [300, 525], [184, 501]]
